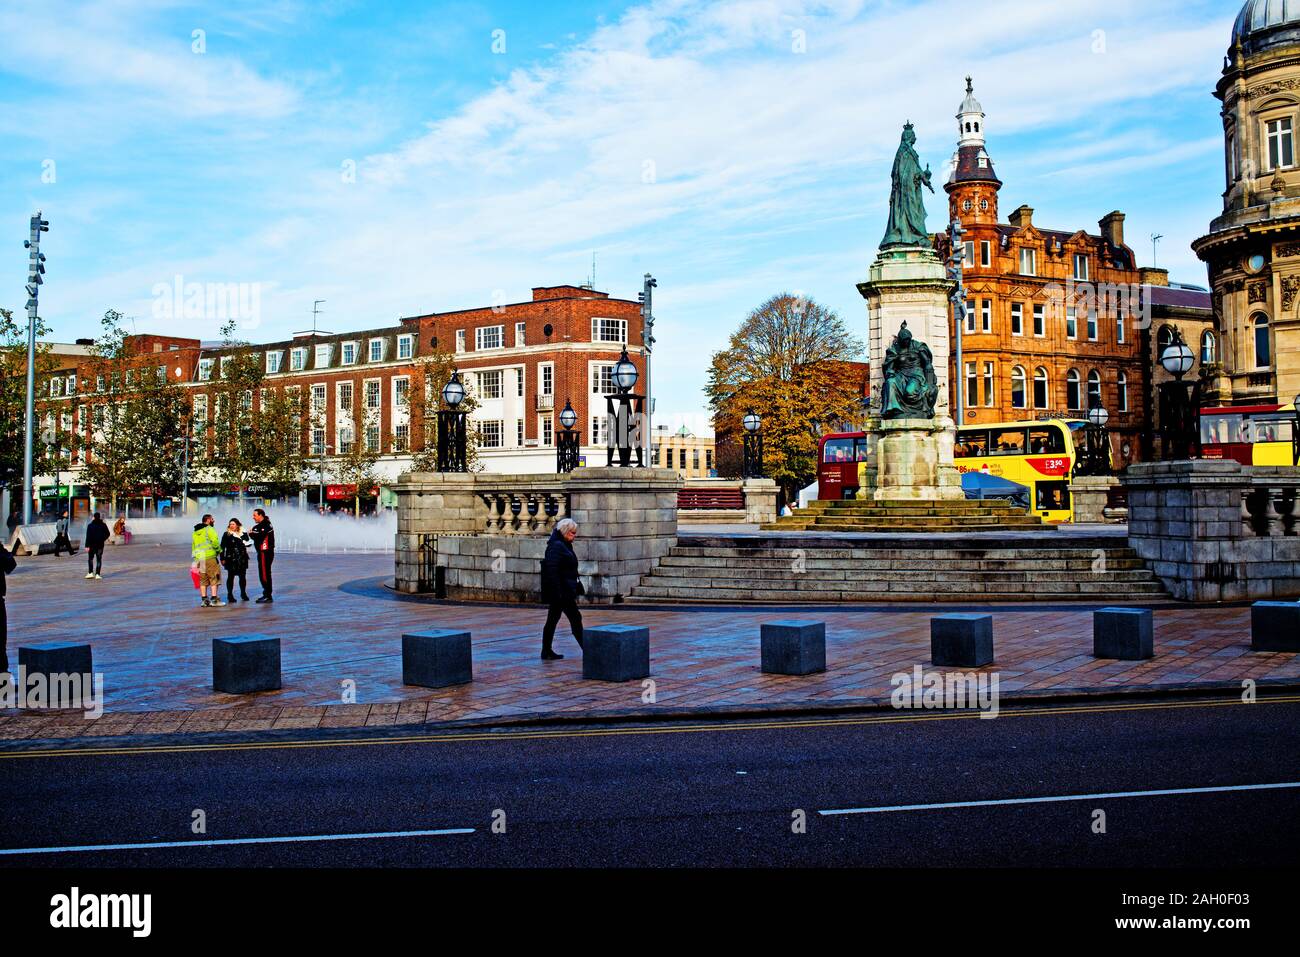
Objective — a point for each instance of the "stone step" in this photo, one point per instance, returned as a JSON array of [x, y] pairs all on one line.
[[890, 552], [836, 577], [817, 562], [1042, 593], [918, 528]]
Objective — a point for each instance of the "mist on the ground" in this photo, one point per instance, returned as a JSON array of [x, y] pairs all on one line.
[[295, 530]]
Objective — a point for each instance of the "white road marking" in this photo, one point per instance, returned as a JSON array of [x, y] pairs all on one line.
[[1063, 797], [235, 840]]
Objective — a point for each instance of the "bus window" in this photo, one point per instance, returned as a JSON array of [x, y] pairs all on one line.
[[862, 450], [1052, 496], [971, 444], [1007, 442], [1046, 441], [838, 451]]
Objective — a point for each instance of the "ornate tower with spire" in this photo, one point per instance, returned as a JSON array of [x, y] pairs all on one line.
[[973, 185]]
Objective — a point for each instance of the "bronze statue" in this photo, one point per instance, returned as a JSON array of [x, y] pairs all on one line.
[[910, 388], [906, 203]]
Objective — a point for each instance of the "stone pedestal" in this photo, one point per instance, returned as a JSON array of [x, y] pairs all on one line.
[[246, 664], [914, 461], [616, 653], [1123, 634], [909, 459], [793, 647], [437, 659], [961, 641]]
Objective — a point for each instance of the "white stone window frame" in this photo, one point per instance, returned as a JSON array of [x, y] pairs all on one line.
[[373, 387], [406, 341], [620, 326], [274, 358], [1017, 318], [370, 349], [328, 350], [348, 387], [1282, 114], [482, 338], [343, 352], [297, 359], [481, 390], [1081, 275], [1029, 256]]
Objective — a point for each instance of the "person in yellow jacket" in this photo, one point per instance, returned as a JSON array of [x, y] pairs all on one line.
[[205, 547]]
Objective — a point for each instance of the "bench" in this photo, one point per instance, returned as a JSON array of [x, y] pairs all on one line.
[[710, 498]]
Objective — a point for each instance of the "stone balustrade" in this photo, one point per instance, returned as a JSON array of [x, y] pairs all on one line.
[[1216, 530], [482, 536]]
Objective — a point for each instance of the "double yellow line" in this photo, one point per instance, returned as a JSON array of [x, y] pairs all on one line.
[[720, 726]]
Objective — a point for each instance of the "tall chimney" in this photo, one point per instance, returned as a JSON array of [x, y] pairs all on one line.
[[1024, 216], [1112, 228]]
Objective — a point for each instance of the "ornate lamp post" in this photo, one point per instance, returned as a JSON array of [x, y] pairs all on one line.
[[1295, 431], [566, 441], [752, 465], [1180, 404], [1097, 460], [624, 415], [451, 427]]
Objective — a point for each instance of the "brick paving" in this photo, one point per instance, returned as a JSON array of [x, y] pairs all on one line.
[[338, 623]]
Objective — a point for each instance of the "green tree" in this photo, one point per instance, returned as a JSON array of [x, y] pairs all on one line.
[[235, 456], [13, 397], [794, 363], [137, 417], [358, 456], [281, 451], [429, 375]]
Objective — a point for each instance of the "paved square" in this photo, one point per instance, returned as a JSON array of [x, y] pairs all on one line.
[[341, 628]]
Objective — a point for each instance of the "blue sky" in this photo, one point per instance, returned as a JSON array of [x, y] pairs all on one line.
[[734, 149]]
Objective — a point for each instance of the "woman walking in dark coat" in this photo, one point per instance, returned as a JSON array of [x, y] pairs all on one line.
[[561, 586], [234, 555]]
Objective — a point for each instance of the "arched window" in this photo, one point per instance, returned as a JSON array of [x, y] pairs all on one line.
[[1122, 388], [1094, 389], [1263, 352], [1019, 383], [1073, 397], [1164, 340], [1209, 348], [1040, 388]]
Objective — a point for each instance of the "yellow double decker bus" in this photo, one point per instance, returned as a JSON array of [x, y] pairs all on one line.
[[1037, 455]]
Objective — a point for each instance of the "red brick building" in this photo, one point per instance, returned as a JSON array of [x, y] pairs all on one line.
[[523, 361], [1053, 320]]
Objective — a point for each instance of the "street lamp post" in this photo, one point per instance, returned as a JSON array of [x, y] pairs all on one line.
[[1180, 428], [566, 441], [1295, 430], [624, 415], [35, 269], [752, 465], [1098, 461], [451, 427], [648, 342]]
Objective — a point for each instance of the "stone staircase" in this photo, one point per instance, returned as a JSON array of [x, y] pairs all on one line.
[[1017, 567], [990, 515]]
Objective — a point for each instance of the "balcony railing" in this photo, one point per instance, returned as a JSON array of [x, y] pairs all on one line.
[[545, 403]]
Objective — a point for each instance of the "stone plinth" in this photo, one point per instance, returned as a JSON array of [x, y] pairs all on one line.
[[616, 653], [793, 647], [760, 501], [914, 461], [908, 285], [246, 664], [1123, 634], [1215, 530], [1090, 495], [1275, 626], [437, 658], [961, 641], [488, 532], [56, 658]]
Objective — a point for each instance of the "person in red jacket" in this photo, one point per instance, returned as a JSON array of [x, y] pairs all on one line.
[[263, 536]]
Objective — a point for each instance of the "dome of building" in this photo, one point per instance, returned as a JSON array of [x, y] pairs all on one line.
[[1265, 24]]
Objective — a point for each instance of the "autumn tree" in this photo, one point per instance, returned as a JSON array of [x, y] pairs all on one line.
[[794, 363], [358, 455], [13, 396], [281, 452], [137, 417], [430, 374]]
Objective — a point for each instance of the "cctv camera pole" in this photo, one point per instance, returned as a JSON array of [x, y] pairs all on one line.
[[956, 262], [648, 341], [35, 269]]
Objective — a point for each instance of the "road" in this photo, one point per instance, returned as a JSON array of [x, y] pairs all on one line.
[[678, 795]]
